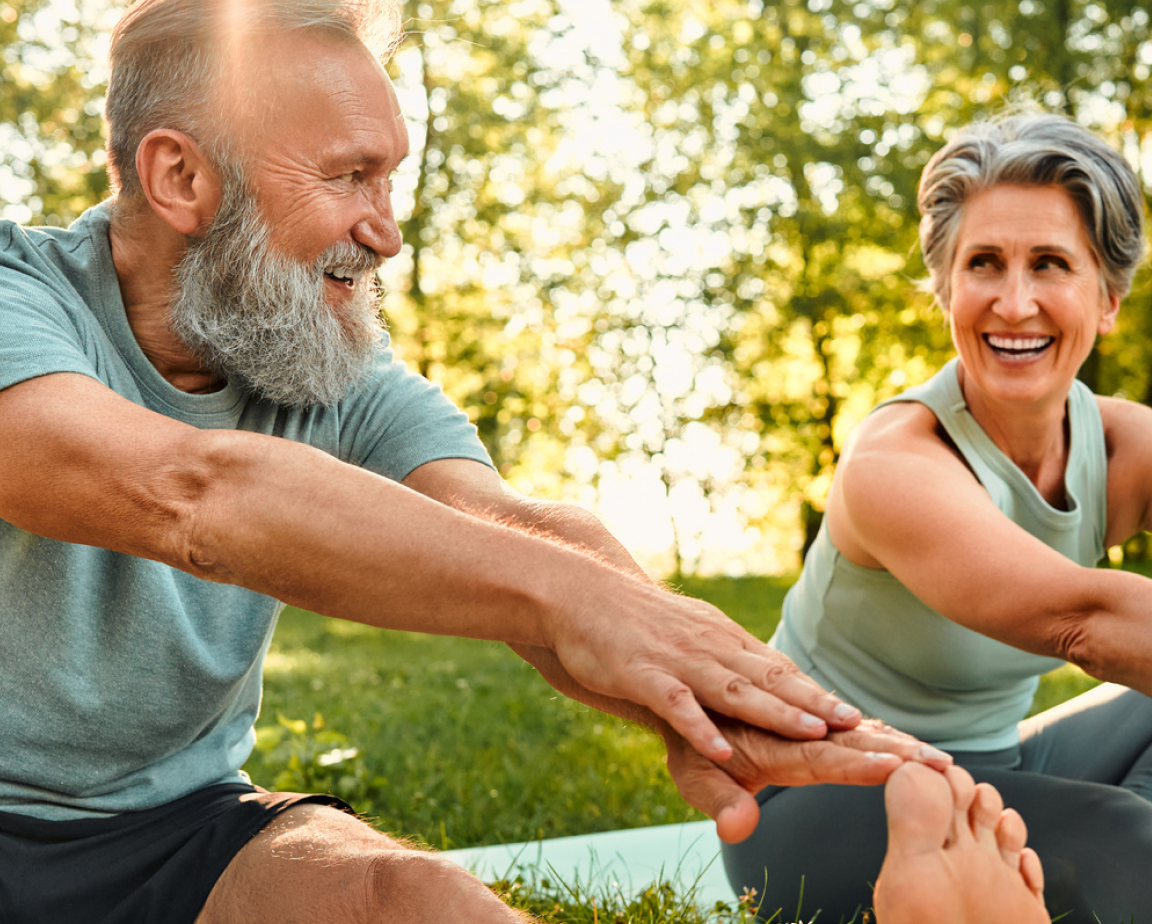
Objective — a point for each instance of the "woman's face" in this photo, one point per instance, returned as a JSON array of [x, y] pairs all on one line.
[[1027, 302]]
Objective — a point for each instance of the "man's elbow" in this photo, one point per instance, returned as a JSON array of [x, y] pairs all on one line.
[[206, 489]]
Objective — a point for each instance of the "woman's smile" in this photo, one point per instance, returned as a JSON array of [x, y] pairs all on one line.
[[1027, 295], [1018, 347]]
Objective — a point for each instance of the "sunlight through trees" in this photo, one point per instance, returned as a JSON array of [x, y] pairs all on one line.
[[664, 253]]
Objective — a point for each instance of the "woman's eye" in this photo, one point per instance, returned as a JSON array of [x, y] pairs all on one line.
[[1051, 263]]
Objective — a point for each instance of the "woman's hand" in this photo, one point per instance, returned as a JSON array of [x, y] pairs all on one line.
[[863, 756]]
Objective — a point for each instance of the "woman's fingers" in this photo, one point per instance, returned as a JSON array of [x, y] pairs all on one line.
[[871, 735], [711, 789]]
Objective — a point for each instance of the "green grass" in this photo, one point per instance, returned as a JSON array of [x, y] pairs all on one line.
[[660, 903], [456, 743], [459, 742]]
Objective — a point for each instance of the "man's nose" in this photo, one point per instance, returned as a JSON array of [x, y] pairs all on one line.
[[377, 227]]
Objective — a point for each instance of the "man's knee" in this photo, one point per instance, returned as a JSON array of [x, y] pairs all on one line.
[[315, 865], [418, 886]]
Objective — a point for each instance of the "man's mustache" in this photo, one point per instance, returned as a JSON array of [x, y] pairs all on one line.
[[348, 256]]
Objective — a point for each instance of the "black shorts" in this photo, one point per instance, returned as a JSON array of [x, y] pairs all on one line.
[[155, 866]]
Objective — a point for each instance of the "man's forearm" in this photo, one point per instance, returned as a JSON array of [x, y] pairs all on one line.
[[344, 542], [81, 464]]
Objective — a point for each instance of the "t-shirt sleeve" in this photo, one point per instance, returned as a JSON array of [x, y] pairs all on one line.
[[398, 421], [38, 336]]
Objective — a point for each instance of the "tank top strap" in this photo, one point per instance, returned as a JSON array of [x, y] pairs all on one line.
[[1086, 472], [943, 396]]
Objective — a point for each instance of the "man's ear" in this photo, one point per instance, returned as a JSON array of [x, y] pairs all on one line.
[[177, 179]]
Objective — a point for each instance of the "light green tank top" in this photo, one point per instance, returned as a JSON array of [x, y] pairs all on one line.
[[860, 632]]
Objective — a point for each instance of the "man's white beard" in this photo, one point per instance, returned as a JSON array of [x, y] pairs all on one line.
[[260, 319]]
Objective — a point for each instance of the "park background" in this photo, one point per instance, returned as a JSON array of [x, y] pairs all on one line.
[[664, 254]]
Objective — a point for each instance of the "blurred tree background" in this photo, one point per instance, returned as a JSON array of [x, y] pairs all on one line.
[[664, 252]]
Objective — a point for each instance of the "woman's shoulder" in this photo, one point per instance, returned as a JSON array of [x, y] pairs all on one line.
[[895, 448], [1127, 429], [904, 426], [893, 472], [1122, 411], [1128, 445]]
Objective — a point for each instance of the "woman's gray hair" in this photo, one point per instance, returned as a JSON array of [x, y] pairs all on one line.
[[168, 58], [1034, 149]]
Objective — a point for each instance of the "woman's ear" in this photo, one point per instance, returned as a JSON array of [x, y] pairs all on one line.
[[1108, 317], [179, 183]]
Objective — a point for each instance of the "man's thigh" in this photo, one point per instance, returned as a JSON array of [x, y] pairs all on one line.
[[314, 864]]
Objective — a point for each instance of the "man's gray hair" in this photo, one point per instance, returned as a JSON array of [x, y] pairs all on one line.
[[169, 59], [1034, 149]]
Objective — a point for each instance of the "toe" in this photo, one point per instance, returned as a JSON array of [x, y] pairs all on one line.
[[919, 806], [963, 793], [984, 815], [1011, 836], [1032, 872]]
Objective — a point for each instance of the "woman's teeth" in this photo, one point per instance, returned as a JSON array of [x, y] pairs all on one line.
[[1018, 346]]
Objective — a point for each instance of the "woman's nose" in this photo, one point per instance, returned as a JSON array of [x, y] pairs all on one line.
[[1016, 300]]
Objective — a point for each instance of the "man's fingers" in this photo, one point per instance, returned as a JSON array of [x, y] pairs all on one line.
[[737, 697], [692, 659], [674, 702], [776, 697], [826, 762], [774, 673]]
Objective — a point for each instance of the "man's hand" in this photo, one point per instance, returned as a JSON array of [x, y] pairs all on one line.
[[679, 658], [617, 634], [863, 756]]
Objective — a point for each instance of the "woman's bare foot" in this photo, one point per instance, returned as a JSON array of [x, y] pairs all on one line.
[[955, 854]]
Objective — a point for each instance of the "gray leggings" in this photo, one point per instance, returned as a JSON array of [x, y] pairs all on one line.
[[1081, 778]]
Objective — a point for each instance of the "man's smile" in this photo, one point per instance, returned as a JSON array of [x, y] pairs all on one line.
[[343, 278]]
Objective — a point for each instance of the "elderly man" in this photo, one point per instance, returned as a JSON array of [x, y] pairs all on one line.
[[201, 418]]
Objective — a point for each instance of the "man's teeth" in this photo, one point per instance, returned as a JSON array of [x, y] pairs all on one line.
[[341, 276], [1018, 345]]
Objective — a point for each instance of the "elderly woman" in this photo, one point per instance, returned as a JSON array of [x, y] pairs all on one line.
[[956, 561]]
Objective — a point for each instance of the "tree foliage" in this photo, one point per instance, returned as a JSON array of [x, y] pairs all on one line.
[[51, 130], [679, 244]]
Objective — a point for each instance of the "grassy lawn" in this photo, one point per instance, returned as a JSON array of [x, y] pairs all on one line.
[[458, 743]]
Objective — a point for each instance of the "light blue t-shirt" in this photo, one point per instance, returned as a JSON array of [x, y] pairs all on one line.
[[125, 683], [862, 633]]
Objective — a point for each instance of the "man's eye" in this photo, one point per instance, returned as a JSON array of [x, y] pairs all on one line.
[[347, 177]]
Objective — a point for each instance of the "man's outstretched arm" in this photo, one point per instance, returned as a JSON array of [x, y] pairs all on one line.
[[863, 755], [81, 464]]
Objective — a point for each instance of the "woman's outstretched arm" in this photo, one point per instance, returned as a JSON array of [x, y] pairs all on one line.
[[905, 501]]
